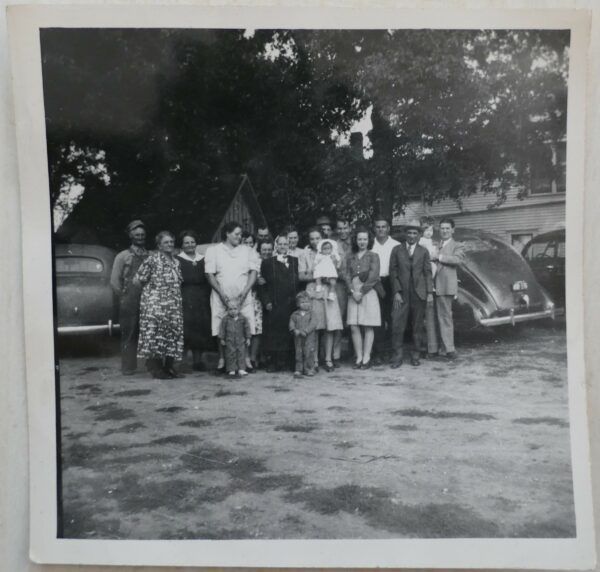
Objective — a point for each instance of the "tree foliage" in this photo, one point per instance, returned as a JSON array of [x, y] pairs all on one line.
[[150, 123]]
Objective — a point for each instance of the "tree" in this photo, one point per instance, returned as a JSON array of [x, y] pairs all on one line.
[[148, 123]]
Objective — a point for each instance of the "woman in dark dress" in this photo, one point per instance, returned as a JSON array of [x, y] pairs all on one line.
[[278, 296], [195, 292]]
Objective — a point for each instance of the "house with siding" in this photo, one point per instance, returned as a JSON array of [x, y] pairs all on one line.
[[540, 209]]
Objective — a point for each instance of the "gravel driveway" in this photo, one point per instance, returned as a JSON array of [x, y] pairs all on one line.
[[474, 448]]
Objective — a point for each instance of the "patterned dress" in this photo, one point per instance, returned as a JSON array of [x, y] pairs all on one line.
[[161, 313]]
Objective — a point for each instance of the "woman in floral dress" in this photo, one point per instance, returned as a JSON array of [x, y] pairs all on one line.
[[161, 313]]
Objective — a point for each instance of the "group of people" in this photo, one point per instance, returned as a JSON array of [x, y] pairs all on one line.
[[268, 301]]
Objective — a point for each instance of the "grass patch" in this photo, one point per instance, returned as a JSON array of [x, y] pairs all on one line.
[[133, 392], [129, 428], [175, 440], [541, 421], [296, 428], [381, 510], [171, 409], [469, 416], [196, 423], [403, 427]]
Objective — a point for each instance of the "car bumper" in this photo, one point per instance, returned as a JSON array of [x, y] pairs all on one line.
[[108, 328], [513, 318]]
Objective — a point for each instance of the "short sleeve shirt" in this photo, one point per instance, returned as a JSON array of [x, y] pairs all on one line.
[[231, 266], [384, 251]]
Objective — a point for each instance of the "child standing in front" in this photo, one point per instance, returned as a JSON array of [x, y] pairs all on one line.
[[327, 262], [235, 336], [303, 326]]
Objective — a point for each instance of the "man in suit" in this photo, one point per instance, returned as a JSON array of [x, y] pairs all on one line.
[[412, 288], [449, 257]]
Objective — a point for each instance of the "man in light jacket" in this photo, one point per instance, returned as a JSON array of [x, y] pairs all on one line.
[[449, 257]]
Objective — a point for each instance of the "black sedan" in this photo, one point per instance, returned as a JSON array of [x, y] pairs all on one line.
[[495, 284], [546, 256], [85, 302]]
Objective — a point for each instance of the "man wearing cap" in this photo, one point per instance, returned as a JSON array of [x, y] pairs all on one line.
[[412, 288], [324, 225], [125, 266]]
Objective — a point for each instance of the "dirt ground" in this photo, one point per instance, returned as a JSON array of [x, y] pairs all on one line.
[[475, 448]]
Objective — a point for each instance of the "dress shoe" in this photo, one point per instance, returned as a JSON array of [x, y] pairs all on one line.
[[328, 367], [366, 365], [396, 364], [357, 365], [451, 356], [415, 361]]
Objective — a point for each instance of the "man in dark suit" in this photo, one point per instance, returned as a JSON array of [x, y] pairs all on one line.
[[412, 288], [449, 257]]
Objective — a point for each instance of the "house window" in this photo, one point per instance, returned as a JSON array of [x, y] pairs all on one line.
[[520, 240]]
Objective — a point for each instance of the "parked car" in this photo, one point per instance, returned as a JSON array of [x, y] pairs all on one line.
[[85, 302], [545, 253], [495, 284]]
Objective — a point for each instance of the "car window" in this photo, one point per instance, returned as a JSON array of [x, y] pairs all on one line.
[[561, 249], [542, 249], [78, 265]]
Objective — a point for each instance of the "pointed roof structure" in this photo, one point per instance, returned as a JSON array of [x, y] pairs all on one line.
[[243, 207]]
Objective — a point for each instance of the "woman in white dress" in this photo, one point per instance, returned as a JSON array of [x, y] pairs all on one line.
[[231, 268], [326, 312]]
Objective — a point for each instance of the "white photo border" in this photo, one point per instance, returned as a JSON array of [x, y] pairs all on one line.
[[24, 25]]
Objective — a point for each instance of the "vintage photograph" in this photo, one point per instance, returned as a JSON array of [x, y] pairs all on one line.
[[309, 283]]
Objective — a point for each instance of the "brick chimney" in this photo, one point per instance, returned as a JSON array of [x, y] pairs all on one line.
[[356, 144]]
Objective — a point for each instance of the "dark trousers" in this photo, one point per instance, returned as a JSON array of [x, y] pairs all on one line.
[[431, 326], [305, 352], [235, 355], [414, 308], [129, 323], [382, 344]]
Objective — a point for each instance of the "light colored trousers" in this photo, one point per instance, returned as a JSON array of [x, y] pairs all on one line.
[[443, 306]]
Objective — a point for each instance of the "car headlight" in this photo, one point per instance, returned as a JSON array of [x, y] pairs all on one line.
[[549, 305]]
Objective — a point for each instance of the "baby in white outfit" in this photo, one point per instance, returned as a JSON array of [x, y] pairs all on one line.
[[327, 261]]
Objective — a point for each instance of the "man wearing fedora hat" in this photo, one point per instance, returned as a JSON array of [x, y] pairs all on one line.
[[125, 266], [412, 288]]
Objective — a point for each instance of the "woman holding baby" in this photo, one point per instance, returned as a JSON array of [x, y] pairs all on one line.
[[318, 268]]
